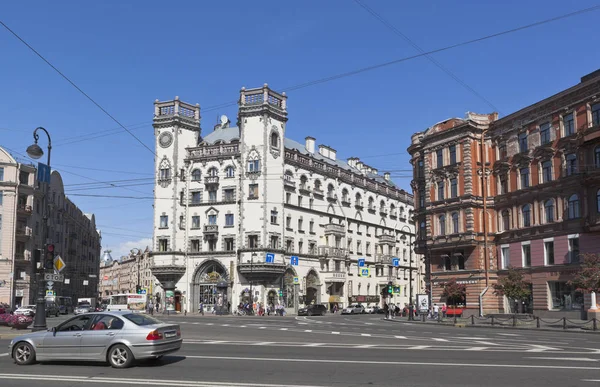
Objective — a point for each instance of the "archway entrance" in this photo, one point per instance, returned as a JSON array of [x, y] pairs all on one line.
[[210, 286], [312, 288], [272, 298], [289, 289]]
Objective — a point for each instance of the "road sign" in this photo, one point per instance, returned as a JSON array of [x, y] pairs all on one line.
[[294, 260], [296, 280], [363, 272], [143, 291], [59, 264], [270, 258], [396, 289], [43, 175], [361, 262], [50, 292], [49, 285], [50, 277], [395, 262]]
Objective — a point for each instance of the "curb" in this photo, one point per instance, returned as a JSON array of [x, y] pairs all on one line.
[[464, 325]]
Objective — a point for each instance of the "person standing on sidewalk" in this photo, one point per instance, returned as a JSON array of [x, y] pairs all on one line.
[[201, 308]]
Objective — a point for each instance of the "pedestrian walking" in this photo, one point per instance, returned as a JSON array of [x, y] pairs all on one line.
[[436, 311], [201, 308], [386, 311], [151, 308], [444, 310]]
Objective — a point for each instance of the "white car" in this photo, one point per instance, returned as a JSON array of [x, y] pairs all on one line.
[[370, 309], [26, 310], [354, 309], [82, 308]]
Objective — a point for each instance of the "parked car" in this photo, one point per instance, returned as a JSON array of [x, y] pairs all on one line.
[[371, 309], [82, 308], [26, 310], [313, 310], [354, 309], [52, 309], [118, 338]]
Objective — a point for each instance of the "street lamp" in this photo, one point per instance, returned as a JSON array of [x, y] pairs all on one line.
[[35, 152], [410, 273]]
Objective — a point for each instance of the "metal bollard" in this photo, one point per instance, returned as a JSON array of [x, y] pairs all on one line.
[[472, 319], [455, 318], [595, 323], [492, 320], [564, 323], [537, 322], [514, 320]]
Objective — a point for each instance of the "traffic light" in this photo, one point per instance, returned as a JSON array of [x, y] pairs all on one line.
[[37, 257], [390, 289], [138, 289], [49, 258]]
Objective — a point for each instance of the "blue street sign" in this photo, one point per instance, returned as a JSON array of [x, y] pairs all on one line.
[[361, 262], [143, 291], [43, 174], [270, 258], [294, 260], [395, 262], [364, 272]]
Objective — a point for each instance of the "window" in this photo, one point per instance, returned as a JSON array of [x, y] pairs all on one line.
[[212, 195], [571, 164], [300, 247], [212, 244], [312, 248], [289, 246], [523, 142], [359, 247], [505, 256], [421, 197], [229, 194], [273, 216], [502, 151], [229, 172], [549, 210], [453, 187], [288, 222], [212, 219], [253, 241], [254, 166], [228, 244], [195, 245], [311, 227], [526, 249], [545, 133], [447, 263], [213, 172], [573, 206], [288, 198], [526, 215], [229, 220], [503, 184], [253, 191], [439, 155], [461, 262], [81, 323], [311, 203], [455, 228], [420, 168], [274, 140], [549, 252], [164, 221], [574, 250], [442, 224], [452, 154], [274, 242], [299, 201], [368, 248], [440, 190], [164, 174], [568, 125], [300, 225], [196, 175], [597, 157], [196, 197], [505, 220], [596, 114], [547, 171], [24, 177], [524, 172], [163, 244], [1, 173]]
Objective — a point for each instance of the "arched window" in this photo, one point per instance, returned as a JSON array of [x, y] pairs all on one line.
[[345, 197], [573, 206], [288, 176], [549, 210], [275, 140], [505, 220], [213, 172], [303, 180], [442, 224], [392, 210], [382, 205], [455, 228], [371, 204], [597, 156], [526, 215], [318, 186], [229, 172], [196, 175]]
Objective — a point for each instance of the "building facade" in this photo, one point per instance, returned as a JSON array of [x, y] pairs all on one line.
[[72, 232], [123, 275], [244, 214], [540, 167]]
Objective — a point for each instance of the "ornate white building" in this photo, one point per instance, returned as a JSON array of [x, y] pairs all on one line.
[[234, 207]]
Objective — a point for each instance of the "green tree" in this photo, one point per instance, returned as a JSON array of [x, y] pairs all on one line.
[[454, 292], [513, 286], [588, 277]]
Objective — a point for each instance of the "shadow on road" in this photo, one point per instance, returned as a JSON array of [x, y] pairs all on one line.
[[165, 361]]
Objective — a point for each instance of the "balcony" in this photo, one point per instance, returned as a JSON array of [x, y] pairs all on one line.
[[333, 252], [383, 259], [211, 229], [318, 191], [261, 271], [211, 180], [333, 228], [387, 239], [345, 201], [289, 183], [332, 197], [24, 232], [383, 212], [359, 205], [22, 256], [25, 209], [215, 151]]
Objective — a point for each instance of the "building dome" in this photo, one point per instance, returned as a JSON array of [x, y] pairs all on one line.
[[106, 258]]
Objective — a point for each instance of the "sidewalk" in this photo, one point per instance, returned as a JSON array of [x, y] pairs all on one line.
[[536, 323], [7, 333]]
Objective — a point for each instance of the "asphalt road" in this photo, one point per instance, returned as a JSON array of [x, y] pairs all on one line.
[[339, 351]]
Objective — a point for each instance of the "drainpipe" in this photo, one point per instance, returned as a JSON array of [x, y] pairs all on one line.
[[481, 300]]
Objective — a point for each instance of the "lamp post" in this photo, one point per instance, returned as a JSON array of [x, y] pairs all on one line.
[[35, 152], [254, 255], [410, 273]]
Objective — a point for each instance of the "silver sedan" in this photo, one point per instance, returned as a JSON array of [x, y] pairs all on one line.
[[118, 338]]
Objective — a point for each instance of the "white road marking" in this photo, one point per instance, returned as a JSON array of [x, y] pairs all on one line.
[[541, 348], [214, 324], [262, 327], [3, 354], [590, 380], [508, 334], [196, 323], [420, 347], [283, 329], [365, 346], [301, 323], [387, 363], [335, 333], [242, 326], [314, 344], [476, 349], [215, 342], [308, 330], [486, 343], [440, 340], [564, 358], [400, 337], [265, 343], [366, 334]]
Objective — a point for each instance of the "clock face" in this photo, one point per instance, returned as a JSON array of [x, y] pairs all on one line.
[[165, 139]]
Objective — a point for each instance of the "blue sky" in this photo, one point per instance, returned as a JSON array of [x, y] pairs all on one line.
[[127, 55]]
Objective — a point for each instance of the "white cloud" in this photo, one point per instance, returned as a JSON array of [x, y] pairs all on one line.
[[124, 248]]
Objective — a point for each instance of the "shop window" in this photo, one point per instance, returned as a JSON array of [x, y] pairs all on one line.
[[565, 297]]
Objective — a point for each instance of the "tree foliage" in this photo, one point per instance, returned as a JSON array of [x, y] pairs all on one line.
[[513, 286], [588, 277], [453, 291]]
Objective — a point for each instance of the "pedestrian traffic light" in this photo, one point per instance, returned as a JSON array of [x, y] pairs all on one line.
[[390, 289], [138, 289], [49, 258]]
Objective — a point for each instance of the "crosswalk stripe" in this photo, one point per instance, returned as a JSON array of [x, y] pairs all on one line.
[[400, 337], [365, 334], [420, 347], [440, 340], [335, 333], [476, 349], [314, 344]]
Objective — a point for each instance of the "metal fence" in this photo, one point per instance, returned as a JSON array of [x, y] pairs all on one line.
[[515, 321]]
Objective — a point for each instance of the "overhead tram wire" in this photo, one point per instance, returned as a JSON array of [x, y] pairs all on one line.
[[77, 87], [430, 58]]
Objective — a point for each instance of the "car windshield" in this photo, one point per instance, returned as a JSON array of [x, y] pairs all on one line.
[[141, 319]]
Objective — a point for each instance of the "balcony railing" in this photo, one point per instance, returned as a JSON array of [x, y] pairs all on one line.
[[25, 208], [211, 229], [386, 238], [359, 205], [211, 180], [333, 252], [289, 183], [332, 197], [24, 231], [333, 228], [385, 259]]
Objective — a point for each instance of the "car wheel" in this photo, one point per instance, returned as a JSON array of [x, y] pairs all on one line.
[[119, 356], [24, 354], [309, 313], [56, 315]]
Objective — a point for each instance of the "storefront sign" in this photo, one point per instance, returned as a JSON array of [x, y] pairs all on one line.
[[367, 299]]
